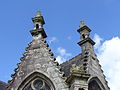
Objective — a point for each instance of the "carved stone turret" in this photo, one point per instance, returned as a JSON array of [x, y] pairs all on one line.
[[89, 58], [86, 42], [38, 31]]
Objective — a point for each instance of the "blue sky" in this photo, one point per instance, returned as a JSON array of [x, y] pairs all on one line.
[[62, 19]]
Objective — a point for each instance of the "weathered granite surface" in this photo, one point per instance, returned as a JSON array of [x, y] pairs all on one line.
[[82, 72]]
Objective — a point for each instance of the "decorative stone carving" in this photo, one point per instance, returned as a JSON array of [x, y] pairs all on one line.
[[77, 69]]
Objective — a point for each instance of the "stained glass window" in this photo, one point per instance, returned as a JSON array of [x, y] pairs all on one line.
[[38, 84]]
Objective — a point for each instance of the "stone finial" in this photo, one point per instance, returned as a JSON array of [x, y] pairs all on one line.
[[38, 14], [38, 18], [38, 30], [82, 23]]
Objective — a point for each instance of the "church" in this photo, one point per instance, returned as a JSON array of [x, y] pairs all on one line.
[[39, 70]]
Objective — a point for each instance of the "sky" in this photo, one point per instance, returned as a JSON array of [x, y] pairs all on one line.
[[62, 19]]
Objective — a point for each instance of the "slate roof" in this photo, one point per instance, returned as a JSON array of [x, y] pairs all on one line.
[[3, 85], [65, 67]]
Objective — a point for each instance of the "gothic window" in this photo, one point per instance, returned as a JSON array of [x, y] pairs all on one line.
[[36, 81], [28, 88], [93, 85], [38, 84]]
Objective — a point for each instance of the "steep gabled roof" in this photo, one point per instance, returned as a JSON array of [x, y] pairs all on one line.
[[66, 66], [3, 85]]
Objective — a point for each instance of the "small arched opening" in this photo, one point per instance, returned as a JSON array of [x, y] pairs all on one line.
[[83, 36], [80, 89], [37, 26], [95, 84]]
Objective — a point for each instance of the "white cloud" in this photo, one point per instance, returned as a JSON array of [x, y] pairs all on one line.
[[63, 55], [52, 39], [109, 56], [59, 59], [98, 40]]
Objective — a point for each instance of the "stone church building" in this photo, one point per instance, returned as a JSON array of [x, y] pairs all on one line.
[[39, 70]]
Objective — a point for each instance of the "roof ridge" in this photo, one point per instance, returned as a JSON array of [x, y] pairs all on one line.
[[71, 59]]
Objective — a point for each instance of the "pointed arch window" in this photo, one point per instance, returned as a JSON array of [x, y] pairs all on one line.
[[36, 81], [93, 85], [38, 84]]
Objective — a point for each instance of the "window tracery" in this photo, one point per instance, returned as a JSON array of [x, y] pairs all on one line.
[[38, 84]]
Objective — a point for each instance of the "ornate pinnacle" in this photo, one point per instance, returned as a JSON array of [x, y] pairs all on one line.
[[82, 23], [38, 21], [38, 14], [38, 18]]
